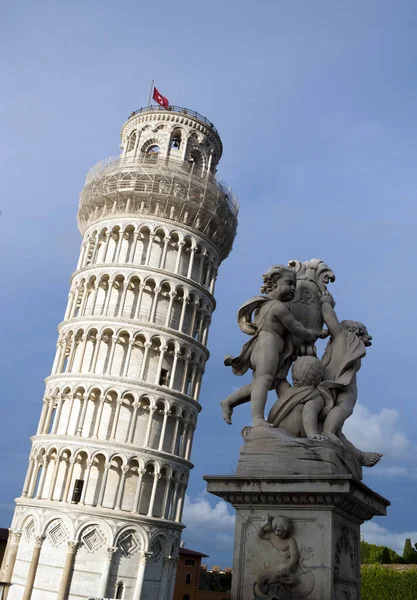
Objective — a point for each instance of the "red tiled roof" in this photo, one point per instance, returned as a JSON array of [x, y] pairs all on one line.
[[192, 552]]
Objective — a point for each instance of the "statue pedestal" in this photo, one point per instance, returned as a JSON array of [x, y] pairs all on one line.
[[325, 513]]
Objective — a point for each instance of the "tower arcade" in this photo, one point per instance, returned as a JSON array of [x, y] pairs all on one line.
[[101, 506]]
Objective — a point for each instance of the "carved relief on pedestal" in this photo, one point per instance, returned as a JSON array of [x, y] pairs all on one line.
[[345, 559], [285, 576]]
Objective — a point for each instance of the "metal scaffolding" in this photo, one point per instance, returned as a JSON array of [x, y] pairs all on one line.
[[164, 187]]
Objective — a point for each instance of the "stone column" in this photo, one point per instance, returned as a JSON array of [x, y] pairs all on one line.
[[156, 478], [129, 354], [177, 355], [148, 253], [48, 415], [33, 567], [58, 415], [181, 450], [104, 580], [173, 577], [119, 500], [154, 304], [190, 264], [200, 271], [175, 434], [68, 477], [206, 331], [162, 351], [185, 375], [139, 302], [185, 301], [152, 409], [136, 501], [134, 246], [95, 248], [119, 246], [106, 246], [45, 462], [89, 464], [164, 252], [166, 495], [67, 572], [75, 303], [119, 403], [143, 559], [57, 358], [71, 399], [54, 477], [165, 578], [84, 300], [180, 502], [103, 484], [192, 382], [71, 354], [144, 361], [172, 295], [11, 558], [63, 354], [94, 300], [34, 478], [107, 298], [112, 352], [132, 424], [98, 418], [82, 417], [189, 441], [177, 262], [96, 352], [123, 300], [28, 477], [164, 425], [174, 500]]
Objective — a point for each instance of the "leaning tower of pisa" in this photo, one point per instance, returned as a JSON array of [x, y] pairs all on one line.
[[101, 506]]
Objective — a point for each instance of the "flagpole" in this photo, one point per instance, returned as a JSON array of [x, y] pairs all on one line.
[[150, 92]]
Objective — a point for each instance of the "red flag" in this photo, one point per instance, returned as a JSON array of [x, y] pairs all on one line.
[[159, 98]]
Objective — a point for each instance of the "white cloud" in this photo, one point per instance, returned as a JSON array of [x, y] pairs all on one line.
[[375, 534], [205, 522], [378, 432]]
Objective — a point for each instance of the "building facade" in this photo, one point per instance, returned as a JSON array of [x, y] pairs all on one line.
[[187, 581], [101, 505]]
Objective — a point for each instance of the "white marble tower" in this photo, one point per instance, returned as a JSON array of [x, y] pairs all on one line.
[[101, 506]]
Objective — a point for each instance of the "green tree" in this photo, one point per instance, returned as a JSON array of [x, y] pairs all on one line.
[[385, 556], [409, 553], [364, 552]]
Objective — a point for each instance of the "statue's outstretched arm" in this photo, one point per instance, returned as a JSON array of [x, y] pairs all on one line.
[[292, 325], [330, 317]]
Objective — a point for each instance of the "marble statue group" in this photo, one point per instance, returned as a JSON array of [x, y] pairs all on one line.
[[297, 487], [284, 324]]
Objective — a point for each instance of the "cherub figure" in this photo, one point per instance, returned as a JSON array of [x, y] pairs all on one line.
[[299, 406], [270, 351], [276, 581], [302, 407], [341, 361]]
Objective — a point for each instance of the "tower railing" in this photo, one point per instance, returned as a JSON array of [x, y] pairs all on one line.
[[177, 109]]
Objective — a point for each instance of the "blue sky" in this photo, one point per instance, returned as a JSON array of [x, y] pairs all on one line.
[[316, 106]]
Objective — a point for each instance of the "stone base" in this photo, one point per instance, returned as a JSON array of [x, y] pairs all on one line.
[[270, 451], [325, 513]]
